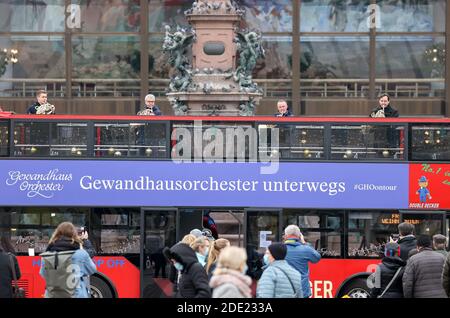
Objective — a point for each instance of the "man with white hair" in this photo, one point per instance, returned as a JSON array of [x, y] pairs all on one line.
[[299, 253], [150, 108]]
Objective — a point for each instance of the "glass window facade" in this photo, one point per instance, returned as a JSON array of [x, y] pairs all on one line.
[[333, 16], [412, 16], [32, 16], [98, 47], [110, 16]]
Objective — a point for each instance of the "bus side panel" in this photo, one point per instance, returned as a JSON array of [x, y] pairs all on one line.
[[327, 276], [33, 282], [123, 275]]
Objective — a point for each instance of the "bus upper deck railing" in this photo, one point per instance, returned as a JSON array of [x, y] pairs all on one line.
[[245, 138], [429, 88]]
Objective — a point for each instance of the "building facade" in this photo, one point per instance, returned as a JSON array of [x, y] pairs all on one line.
[[325, 57]]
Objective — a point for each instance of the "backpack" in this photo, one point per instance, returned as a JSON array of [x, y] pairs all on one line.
[[61, 275]]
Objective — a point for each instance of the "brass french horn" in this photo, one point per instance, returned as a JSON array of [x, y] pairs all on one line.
[[378, 114], [45, 109]]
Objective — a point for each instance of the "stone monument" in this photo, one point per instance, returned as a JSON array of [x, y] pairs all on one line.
[[219, 80]]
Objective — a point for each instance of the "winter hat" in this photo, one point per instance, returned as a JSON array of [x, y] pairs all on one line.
[[392, 249], [278, 250], [197, 233], [207, 233]]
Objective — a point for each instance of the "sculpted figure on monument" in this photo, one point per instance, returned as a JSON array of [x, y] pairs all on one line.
[[179, 108], [250, 49], [214, 7], [247, 108], [176, 45]]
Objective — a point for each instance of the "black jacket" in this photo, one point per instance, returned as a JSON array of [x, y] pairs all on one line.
[[286, 114], [388, 268], [33, 108], [63, 244], [6, 274], [388, 111], [194, 281], [406, 243]]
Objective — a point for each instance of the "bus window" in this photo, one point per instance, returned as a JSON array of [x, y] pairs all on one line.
[[262, 229], [55, 216], [4, 138], [116, 230], [32, 227], [322, 229], [430, 223], [369, 231], [23, 239]]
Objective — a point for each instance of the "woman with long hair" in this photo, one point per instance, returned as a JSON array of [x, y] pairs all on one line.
[[217, 246], [65, 238], [229, 279]]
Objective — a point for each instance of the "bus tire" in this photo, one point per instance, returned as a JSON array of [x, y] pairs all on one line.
[[356, 288], [100, 288]]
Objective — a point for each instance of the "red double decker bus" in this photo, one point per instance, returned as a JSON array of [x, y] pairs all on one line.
[[139, 184]]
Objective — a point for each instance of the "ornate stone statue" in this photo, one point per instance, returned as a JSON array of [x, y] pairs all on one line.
[[250, 49], [219, 80], [247, 108], [179, 108], [176, 45]]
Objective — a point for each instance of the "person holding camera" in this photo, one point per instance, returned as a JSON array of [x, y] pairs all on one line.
[[87, 245], [299, 255], [66, 246]]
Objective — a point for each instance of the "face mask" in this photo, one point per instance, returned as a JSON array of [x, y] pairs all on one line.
[[244, 271], [266, 259], [206, 252], [178, 266], [200, 257]]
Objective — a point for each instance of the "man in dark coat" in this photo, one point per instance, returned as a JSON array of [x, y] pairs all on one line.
[[407, 240], [194, 280], [384, 109], [6, 275], [283, 109], [422, 276], [150, 109], [385, 272]]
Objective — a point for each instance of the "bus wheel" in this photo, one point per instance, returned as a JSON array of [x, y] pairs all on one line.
[[357, 288], [99, 288]]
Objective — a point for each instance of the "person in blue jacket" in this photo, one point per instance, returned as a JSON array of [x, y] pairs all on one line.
[[279, 279], [299, 255], [66, 238]]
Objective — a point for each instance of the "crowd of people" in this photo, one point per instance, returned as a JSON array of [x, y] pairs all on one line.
[[206, 267], [202, 266], [413, 267]]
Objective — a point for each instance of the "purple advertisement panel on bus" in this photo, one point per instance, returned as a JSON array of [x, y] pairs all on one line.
[[150, 183]]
